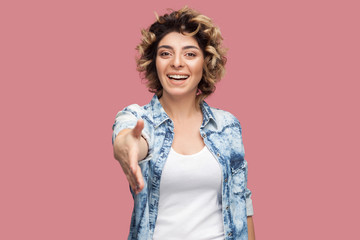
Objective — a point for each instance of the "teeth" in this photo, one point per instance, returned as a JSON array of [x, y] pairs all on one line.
[[178, 76]]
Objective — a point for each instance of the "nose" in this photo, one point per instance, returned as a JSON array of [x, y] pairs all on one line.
[[177, 61]]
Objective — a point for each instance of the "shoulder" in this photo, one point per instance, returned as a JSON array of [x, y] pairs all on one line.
[[224, 117], [135, 109], [135, 112], [219, 113]]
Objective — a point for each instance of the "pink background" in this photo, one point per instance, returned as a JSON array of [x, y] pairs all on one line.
[[292, 79]]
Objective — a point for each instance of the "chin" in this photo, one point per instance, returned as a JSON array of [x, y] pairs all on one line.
[[180, 93]]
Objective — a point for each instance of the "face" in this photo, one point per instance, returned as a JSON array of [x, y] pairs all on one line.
[[179, 65]]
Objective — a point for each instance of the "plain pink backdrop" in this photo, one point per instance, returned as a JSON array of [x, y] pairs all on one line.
[[292, 79]]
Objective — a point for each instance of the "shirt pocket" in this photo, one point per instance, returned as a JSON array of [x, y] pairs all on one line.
[[238, 177]]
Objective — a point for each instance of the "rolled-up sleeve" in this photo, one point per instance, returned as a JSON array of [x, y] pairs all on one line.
[[249, 205]]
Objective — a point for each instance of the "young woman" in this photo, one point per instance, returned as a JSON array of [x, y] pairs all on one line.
[[184, 160]]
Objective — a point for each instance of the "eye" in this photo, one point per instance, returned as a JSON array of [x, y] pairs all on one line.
[[190, 54], [164, 54]]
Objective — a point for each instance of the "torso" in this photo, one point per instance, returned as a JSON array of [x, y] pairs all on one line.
[[222, 135]]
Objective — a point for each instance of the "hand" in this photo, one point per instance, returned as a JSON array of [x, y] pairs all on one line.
[[129, 148]]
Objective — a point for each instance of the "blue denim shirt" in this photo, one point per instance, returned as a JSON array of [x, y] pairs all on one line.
[[221, 132]]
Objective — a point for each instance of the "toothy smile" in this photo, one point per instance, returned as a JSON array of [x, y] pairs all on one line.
[[177, 77]]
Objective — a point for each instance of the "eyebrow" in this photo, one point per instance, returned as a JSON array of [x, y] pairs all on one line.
[[171, 48]]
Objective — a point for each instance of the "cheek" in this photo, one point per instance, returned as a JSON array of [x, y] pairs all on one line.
[[159, 67], [198, 68]]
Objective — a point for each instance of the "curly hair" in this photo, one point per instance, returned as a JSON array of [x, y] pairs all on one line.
[[191, 23]]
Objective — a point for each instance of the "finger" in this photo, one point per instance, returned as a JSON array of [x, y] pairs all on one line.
[[134, 168], [138, 128], [129, 171], [133, 160], [131, 181], [139, 180]]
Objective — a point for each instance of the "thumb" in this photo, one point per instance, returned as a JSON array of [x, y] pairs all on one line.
[[138, 128]]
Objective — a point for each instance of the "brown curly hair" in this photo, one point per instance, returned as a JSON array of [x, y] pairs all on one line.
[[188, 22]]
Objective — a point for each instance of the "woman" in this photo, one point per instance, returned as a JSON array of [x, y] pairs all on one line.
[[183, 159]]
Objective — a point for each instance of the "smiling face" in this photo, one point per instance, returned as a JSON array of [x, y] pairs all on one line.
[[179, 65]]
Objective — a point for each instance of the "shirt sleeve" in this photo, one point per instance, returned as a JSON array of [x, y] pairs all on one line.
[[127, 119], [249, 205]]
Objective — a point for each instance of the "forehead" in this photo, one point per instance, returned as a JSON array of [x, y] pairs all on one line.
[[175, 39]]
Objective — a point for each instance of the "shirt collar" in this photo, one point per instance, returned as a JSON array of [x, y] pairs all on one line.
[[160, 116], [207, 114]]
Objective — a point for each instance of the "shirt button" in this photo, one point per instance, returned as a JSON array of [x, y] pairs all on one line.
[[225, 180], [227, 207], [230, 234], [218, 154], [204, 135]]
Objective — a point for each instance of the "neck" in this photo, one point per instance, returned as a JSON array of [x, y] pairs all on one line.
[[179, 108]]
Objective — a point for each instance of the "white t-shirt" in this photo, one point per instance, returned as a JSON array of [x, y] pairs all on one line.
[[190, 198]]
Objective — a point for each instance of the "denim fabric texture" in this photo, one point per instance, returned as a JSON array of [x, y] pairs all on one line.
[[221, 132]]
